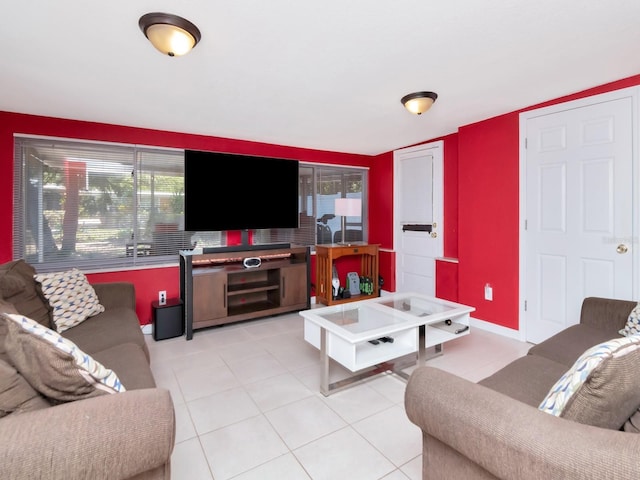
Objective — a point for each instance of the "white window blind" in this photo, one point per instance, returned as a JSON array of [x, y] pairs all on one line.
[[319, 186], [95, 205]]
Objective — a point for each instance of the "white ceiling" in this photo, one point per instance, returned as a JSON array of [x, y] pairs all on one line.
[[325, 75]]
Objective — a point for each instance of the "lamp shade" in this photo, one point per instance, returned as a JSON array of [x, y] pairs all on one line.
[[348, 207], [169, 34], [419, 102]]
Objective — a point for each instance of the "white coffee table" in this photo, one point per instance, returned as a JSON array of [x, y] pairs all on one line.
[[410, 322]]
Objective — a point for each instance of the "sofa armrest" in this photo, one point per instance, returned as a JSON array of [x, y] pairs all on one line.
[[116, 294], [606, 313], [510, 439], [107, 437]]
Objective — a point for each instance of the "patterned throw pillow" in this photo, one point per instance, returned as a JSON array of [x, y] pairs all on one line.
[[633, 323], [601, 388], [54, 365], [71, 296]]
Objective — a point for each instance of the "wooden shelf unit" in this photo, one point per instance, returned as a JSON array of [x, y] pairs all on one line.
[[217, 288], [328, 253]]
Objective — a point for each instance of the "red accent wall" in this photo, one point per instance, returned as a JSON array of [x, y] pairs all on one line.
[[447, 280], [488, 217], [381, 216], [147, 281], [450, 171]]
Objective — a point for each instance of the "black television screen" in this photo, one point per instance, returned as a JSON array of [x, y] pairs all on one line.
[[224, 191]]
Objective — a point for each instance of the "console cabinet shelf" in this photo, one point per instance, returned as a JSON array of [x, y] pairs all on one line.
[[216, 288], [327, 254]]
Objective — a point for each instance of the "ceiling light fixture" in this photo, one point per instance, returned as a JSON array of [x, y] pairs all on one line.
[[419, 102], [170, 34]]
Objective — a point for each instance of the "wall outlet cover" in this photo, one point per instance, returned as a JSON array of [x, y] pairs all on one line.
[[488, 292]]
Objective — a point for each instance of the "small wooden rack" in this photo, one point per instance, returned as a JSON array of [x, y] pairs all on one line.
[[327, 254]]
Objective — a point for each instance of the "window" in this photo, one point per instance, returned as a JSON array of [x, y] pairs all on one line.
[[319, 187], [101, 205], [93, 205]]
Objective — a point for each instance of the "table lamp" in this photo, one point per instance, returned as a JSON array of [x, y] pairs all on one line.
[[347, 207]]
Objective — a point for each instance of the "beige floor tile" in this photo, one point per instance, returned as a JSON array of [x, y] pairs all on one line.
[[241, 447], [221, 409], [343, 454], [189, 462], [391, 432], [304, 421], [185, 429], [277, 391], [285, 467], [203, 381], [357, 402], [256, 368]]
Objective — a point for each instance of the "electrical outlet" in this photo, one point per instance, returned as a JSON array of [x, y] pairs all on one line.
[[488, 292], [162, 297]]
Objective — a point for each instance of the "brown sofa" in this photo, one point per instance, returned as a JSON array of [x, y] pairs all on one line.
[[494, 429], [109, 436]]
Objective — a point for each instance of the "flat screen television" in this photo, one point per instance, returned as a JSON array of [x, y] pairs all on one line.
[[224, 191]]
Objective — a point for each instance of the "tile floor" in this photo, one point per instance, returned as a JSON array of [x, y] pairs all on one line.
[[248, 405]]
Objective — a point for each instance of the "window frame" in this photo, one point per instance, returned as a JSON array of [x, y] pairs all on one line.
[[305, 235]]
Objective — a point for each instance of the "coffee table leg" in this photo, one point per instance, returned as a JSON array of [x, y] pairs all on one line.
[[324, 357], [422, 351]]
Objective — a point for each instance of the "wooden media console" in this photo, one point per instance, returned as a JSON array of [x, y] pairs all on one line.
[[217, 288]]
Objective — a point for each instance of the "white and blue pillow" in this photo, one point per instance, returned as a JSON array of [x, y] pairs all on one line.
[[602, 387], [54, 365], [632, 326]]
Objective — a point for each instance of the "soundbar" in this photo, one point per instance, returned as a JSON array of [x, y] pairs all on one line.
[[243, 248]]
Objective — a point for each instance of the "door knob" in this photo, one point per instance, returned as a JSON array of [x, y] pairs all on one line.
[[622, 248]]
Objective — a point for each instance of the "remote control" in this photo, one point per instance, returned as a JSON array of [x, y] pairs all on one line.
[[386, 339], [462, 329], [374, 342]]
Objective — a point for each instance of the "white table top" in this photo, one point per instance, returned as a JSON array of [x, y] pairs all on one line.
[[372, 318]]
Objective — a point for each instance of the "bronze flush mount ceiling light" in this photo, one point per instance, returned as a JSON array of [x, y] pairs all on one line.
[[419, 102], [170, 34]]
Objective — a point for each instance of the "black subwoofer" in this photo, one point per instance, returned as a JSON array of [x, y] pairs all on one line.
[[168, 320]]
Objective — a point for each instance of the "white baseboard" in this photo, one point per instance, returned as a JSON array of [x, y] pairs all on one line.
[[497, 329], [146, 329]]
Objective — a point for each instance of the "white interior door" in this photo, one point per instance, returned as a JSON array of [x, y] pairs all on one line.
[[579, 210], [418, 219]]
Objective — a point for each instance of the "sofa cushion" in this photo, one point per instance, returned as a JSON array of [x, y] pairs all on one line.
[[632, 425], [601, 388], [53, 365], [16, 395], [115, 326], [632, 327], [18, 287], [71, 296], [567, 346], [527, 379], [130, 363], [4, 308]]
